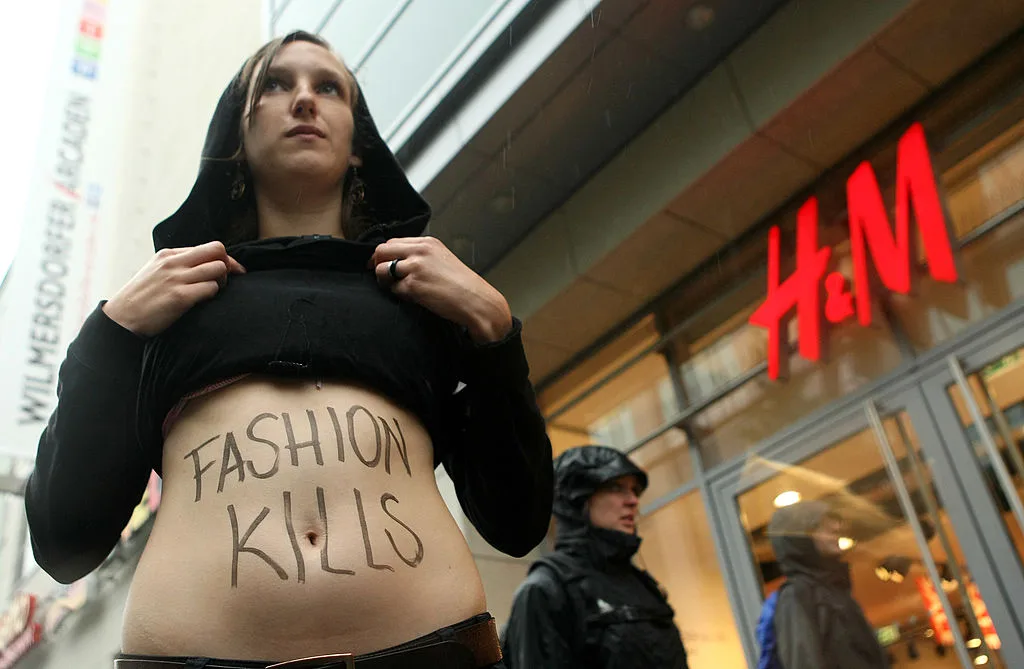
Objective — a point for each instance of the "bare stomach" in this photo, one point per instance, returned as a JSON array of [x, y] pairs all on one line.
[[297, 521]]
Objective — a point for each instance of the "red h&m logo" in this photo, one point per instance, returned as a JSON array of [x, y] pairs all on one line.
[[871, 235]]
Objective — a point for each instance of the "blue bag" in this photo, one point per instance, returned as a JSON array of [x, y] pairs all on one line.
[[769, 658]]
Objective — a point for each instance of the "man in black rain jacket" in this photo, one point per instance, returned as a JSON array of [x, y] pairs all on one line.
[[585, 606], [817, 622]]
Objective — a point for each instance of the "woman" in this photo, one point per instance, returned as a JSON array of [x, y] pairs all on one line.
[[296, 391]]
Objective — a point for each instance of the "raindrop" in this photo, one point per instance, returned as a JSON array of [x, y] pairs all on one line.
[[608, 118], [629, 91]]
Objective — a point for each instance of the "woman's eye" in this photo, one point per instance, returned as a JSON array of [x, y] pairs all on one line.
[[330, 88], [272, 84]]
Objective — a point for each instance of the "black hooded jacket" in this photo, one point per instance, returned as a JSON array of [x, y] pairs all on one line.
[[585, 606], [306, 307], [818, 624]]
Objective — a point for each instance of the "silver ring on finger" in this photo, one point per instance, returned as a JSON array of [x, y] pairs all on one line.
[[393, 271]]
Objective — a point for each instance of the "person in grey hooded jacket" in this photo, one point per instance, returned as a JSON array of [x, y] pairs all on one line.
[[818, 624]]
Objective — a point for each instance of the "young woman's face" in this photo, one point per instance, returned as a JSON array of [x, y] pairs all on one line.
[[616, 504], [301, 125]]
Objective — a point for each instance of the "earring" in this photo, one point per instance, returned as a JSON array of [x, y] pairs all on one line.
[[238, 184], [358, 188]]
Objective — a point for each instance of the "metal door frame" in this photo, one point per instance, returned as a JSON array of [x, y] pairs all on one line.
[[914, 389]]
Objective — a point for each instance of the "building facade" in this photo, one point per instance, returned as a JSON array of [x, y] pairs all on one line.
[[772, 249]]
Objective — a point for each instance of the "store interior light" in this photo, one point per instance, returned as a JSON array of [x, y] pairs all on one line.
[[981, 660], [974, 643], [788, 498], [894, 569], [846, 543]]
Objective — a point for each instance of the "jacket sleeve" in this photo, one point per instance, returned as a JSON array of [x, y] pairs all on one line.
[[797, 632], [499, 457], [90, 471], [540, 626]]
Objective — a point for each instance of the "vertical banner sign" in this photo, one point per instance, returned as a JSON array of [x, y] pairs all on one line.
[[938, 617], [880, 255], [49, 280]]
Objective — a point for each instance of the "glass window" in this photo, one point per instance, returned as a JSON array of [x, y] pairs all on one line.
[[619, 413], [602, 402], [732, 425], [418, 44], [679, 551], [998, 391], [991, 267], [301, 15], [889, 579], [354, 23]]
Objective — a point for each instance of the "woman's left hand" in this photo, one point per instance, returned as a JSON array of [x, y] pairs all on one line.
[[433, 277]]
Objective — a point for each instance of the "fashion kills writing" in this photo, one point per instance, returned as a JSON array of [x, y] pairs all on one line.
[[880, 251]]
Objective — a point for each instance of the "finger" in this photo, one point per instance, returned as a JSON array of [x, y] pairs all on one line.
[[199, 292], [197, 255], [234, 266], [215, 270], [383, 272], [398, 248]]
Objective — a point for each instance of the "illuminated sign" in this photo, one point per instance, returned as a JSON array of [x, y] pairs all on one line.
[[988, 628], [936, 613], [19, 631], [815, 295]]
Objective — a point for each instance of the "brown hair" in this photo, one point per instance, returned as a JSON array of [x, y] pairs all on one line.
[[250, 85]]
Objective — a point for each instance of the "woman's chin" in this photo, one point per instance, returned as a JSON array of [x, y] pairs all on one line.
[[308, 170]]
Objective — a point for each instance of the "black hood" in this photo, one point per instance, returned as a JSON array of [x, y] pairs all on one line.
[[790, 531], [391, 204], [579, 472]]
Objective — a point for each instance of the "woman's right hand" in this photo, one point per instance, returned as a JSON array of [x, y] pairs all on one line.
[[171, 283]]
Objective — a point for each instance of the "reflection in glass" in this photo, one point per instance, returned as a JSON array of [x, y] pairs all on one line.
[[987, 184], [760, 408], [998, 391], [889, 579], [678, 550]]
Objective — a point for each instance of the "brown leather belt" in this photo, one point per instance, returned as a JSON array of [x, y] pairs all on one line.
[[470, 647]]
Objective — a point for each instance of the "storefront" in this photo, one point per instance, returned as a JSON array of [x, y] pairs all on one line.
[[910, 423]]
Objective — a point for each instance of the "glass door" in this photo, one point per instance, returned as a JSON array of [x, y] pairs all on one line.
[[872, 495], [977, 400]]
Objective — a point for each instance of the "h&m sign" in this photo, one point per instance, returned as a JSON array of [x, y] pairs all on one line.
[[879, 253]]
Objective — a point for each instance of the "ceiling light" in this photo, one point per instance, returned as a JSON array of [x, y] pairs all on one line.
[[974, 643], [700, 17], [846, 543], [981, 660], [788, 498]]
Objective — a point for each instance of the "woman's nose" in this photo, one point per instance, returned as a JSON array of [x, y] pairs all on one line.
[[305, 102]]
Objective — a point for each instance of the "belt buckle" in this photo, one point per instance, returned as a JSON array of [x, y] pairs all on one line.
[[335, 661]]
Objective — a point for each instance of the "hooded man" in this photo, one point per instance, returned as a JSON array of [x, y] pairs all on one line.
[[585, 605], [817, 622]]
